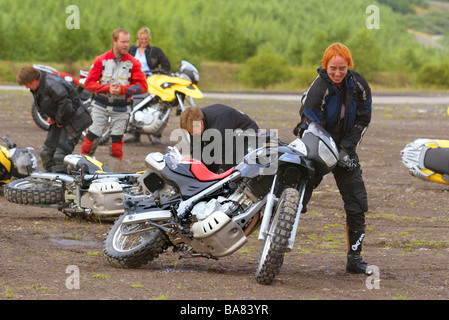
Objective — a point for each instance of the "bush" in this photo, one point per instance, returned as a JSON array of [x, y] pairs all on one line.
[[434, 74], [265, 68]]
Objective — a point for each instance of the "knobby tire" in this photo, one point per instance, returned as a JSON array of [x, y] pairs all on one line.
[[276, 242], [148, 246], [32, 191]]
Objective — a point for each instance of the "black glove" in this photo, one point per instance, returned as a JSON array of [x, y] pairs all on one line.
[[297, 130], [348, 159]]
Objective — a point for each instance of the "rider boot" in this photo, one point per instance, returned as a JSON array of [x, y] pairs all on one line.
[[355, 262], [88, 147], [116, 153]]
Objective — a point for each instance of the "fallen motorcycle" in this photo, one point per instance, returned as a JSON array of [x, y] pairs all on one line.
[[202, 214], [16, 163], [85, 188], [428, 159]]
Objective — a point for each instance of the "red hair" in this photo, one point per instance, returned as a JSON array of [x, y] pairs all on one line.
[[337, 49]]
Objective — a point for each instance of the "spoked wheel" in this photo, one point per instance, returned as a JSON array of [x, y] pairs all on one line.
[[131, 246], [276, 242], [39, 119], [34, 191]]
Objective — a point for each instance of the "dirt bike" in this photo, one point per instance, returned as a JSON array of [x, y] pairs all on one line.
[[203, 214], [83, 188], [428, 159], [41, 119], [16, 163]]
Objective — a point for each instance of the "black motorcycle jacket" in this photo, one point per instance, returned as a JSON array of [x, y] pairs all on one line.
[[155, 57], [221, 117], [56, 98], [323, 101]]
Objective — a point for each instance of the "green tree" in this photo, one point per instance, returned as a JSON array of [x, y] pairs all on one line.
[[365, 52], [264, 68]]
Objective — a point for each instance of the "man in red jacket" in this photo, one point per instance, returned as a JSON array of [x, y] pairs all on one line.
[[114, 78]]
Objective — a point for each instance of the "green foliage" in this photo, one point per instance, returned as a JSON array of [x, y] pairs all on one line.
[[220, 30], [265, 68], [434, 74], [365, 52], [403, 6]]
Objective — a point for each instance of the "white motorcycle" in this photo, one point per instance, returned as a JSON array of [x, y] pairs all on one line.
[[203, 214], [85, 188]]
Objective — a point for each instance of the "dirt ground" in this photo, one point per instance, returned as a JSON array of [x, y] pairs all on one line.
[[407, 228]]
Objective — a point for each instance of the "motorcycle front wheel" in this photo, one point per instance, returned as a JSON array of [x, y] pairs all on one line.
[[34, 191], [131, 246], [276, 241]]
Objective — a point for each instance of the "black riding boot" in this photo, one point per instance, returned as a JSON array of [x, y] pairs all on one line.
[[355, 262]]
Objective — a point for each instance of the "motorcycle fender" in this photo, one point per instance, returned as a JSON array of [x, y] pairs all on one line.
[[141, 217], [291, 158], [162, 86], [53, 176]]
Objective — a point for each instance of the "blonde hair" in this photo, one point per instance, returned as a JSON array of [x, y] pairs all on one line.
[[337, 49], [142, 31], [27, 75], [188, 116]]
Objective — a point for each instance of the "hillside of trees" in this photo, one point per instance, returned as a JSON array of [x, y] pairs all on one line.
[[281, 38]]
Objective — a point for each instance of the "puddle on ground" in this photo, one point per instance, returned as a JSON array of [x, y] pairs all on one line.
[[75, 243]]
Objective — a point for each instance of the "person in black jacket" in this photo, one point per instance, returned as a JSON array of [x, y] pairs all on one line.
[[221, 118], [151, 58], [67, 116], [340, 100]]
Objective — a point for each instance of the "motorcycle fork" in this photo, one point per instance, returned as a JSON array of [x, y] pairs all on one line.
[[271, 200], [270, 205], [291, 240]]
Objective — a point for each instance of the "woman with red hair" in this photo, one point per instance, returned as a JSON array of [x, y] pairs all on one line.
[[339, 99]]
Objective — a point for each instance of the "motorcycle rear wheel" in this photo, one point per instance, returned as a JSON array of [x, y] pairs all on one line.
[[276, 242], [136, 248], [34, 191], [39, 119]]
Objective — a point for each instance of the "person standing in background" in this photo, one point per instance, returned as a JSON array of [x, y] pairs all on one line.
[[114, 78], [151, 58]]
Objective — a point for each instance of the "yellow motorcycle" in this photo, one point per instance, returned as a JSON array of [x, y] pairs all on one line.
[[151, 112], [428, 159], [16, 163]]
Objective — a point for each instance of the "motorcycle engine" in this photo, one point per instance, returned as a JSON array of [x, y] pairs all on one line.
[[149, 119], [231, 205], [105, 198]]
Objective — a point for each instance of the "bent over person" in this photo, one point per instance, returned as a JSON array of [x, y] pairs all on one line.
[[340, 100], [219, 118], [67, 116], [114, 78]]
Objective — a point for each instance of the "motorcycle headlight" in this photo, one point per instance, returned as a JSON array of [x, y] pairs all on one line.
[[25, 162], [326, 155]]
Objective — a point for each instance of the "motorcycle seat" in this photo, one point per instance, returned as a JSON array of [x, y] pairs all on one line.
[[202, 173], [437, 160]]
